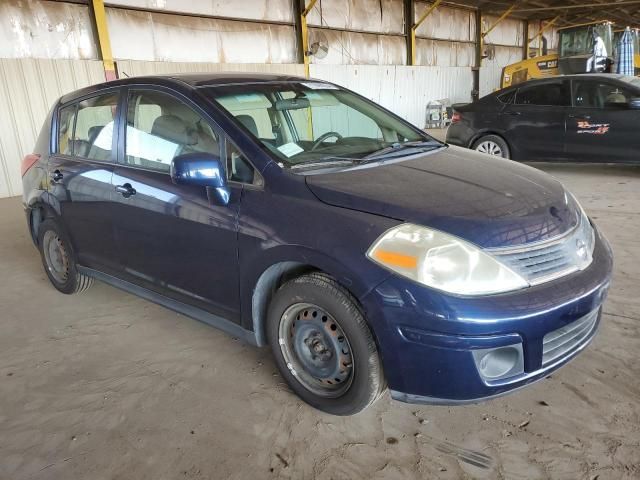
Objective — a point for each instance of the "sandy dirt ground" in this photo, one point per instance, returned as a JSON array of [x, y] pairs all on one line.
[[105, 385]]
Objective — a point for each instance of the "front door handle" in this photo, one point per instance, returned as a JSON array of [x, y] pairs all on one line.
[[512, 113], [126, 190], [57, 175], [585, 117]]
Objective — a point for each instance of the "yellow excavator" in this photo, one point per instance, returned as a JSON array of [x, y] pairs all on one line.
[[575, 52]]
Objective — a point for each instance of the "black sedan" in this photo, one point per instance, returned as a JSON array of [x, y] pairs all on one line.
[[585, 118]]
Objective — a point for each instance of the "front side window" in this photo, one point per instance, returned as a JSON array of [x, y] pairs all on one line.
[[309, 122], [590, 94], [161, 127], [66, 120], [94, 127], [547, 94], [239, 169]]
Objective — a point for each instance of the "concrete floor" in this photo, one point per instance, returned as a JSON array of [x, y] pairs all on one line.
[[104, 385]]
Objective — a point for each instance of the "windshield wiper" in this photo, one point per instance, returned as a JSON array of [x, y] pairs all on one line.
[[397, 147], [328, 161]]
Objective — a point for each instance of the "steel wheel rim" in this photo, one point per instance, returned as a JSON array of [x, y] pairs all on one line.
[[56, 256], [489, 147], [316, 350]]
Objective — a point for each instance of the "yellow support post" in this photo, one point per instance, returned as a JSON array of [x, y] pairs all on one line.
[[305, 35], [104, 44], [415, 26]]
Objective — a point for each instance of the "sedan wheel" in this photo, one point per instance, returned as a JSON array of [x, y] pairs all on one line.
[[492, 145], [489, 147]]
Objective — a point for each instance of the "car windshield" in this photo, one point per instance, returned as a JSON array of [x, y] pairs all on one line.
[[309, 123]]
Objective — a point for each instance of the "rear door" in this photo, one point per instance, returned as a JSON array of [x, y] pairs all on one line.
[[534, 122], [600, 125], [80, 177], [174, 240]]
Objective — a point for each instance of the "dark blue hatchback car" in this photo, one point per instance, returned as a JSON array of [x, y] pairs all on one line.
[[294, 213]]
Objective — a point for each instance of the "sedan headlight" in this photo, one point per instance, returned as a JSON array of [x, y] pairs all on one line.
[[442, 261]]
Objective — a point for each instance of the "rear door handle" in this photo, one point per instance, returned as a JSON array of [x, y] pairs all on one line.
[[586, 117], [126, 190], [512, 113], [56, 175]]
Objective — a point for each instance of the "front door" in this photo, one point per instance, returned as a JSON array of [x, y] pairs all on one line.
[[80, 179], [534, 123], [174, 240], [600, 125]]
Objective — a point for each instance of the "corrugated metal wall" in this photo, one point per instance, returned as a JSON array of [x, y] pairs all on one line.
[[178, 38], [507, 39], [28, 88], [402, 89], [367, 53]]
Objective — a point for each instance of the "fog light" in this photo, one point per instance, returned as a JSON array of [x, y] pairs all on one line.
[[498, 363]]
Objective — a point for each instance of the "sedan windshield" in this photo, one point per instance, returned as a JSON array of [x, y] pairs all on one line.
[[316, 123]]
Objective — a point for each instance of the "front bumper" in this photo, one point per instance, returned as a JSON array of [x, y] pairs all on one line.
[[427, 339]]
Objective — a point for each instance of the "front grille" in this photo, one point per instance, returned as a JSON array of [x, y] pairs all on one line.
[[562, 341], [545, 261]]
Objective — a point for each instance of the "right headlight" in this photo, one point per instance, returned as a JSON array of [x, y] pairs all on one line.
[[442, 261]]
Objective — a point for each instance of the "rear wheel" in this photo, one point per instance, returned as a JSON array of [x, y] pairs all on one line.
[[58, 259], [492, 145], [323, 346]]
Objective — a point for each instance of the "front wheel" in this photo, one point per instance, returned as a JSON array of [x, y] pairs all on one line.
[[323, 346], [492, 145]]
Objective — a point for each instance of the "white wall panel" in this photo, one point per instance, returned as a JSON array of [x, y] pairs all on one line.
[[444, 54], [551, 35], [164, 37], [446, 23], [404, 90], [491, 70], [507, 32], [360, 48], [37, 29], [137, 68], [28, 89], [380, 16], [271, 10]]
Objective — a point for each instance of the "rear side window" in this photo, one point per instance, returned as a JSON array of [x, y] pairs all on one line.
[[66, 120], [161, 127], [548, 94], [94, 127], [591, 94]]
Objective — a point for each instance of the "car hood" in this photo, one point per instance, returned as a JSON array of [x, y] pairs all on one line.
[[489, 201]]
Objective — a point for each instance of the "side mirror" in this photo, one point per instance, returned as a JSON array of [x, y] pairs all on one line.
[[634, 103], [202, 170]]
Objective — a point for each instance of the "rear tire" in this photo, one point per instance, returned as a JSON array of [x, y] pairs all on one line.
[[323, 346], [492, 145], [58, 259]]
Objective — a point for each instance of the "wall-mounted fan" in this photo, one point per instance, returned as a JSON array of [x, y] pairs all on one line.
[[318, 44]]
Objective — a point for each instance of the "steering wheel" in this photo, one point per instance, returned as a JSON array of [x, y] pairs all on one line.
[[323, 137]]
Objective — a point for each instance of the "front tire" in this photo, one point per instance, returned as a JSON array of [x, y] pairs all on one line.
[[323, 346], [492, 145], [58, 259]]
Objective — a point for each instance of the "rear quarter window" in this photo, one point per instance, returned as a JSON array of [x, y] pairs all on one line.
[[507, 97], [66, 124]]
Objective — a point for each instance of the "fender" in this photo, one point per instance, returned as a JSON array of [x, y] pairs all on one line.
[[261, 277]]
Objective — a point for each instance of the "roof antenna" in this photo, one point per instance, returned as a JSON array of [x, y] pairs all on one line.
[[125, 74]]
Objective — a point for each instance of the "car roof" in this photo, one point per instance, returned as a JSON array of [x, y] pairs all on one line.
[[193, 80], [534, 81]]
